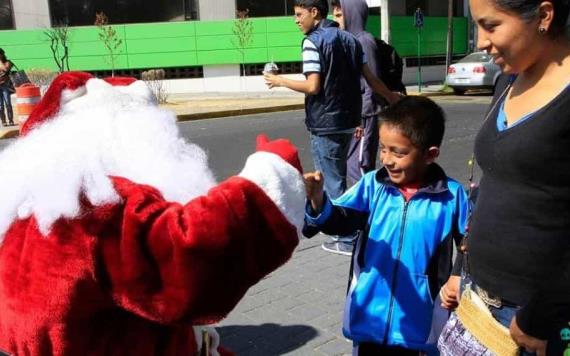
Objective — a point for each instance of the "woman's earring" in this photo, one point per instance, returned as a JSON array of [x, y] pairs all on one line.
[[542, 30]]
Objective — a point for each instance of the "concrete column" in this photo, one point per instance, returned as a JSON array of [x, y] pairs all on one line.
[[31, 14], [217, 9]]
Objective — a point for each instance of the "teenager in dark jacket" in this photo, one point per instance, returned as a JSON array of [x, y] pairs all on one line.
[[333, 62]]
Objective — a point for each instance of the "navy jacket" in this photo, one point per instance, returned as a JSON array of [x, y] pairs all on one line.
[[338, 105]]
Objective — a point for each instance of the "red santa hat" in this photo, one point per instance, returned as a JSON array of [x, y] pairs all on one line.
[[64, 88]]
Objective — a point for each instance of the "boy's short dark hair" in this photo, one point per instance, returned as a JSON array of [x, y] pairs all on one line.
[[321, 5], [419, 118], [336, 3]]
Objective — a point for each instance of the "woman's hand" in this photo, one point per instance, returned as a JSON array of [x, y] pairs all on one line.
[[449, 293], [314, 183], [529, 343]]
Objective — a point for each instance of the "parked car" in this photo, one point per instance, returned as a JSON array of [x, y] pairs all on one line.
[[474, 71]]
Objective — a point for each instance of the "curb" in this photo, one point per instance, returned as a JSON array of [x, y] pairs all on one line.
[[9, 133], [238, 112], [430, 94]]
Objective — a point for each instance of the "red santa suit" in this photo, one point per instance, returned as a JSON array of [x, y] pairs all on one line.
[[114, 237]]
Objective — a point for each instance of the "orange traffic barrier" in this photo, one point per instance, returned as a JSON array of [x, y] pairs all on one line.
[[27, 97]]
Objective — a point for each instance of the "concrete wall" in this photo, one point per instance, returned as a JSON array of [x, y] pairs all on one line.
[[30, 14], [224, 79], [216, 9]]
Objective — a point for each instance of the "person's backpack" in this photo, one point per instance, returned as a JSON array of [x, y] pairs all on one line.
[[391, 66]]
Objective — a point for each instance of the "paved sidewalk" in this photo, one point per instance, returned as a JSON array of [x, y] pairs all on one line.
[[211, 105], [297, 310]]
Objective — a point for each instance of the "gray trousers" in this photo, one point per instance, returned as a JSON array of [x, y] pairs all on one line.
[[362, 152]]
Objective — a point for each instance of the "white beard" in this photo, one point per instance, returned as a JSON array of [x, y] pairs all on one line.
[[100, 131]]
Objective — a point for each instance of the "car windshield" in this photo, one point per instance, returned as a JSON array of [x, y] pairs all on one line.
[[478, 57]]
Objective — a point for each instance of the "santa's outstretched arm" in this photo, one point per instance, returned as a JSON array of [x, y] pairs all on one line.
[[194, 262]]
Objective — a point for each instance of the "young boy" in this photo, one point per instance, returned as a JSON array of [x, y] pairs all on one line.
[[410, 213]]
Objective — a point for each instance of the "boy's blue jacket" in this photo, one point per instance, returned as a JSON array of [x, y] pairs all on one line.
[[401, 259]]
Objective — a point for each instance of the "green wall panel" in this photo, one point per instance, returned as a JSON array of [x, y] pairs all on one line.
[[282, 24], [96, 63], [16, 38], [210, 43], [81, 49], [157, 60], [90, 34], [433, 35], [160, 30], [162, 45], [285, 54], [36, 63]]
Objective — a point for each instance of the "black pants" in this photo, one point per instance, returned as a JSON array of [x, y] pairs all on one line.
[[371, 349]]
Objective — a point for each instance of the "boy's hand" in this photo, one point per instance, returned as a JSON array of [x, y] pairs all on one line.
[[449, 293], [314, 183], [272, 80]]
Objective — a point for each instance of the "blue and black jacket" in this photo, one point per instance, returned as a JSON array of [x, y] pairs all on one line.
[[401, 259], [338, 104]]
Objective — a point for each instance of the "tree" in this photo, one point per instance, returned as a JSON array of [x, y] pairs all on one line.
[[59, 39], [110, 38], [243, 34]]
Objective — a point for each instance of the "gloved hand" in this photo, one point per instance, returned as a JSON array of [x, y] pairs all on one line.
[[281, 147]]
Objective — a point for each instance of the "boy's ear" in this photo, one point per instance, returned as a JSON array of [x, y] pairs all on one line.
[[431, 154]]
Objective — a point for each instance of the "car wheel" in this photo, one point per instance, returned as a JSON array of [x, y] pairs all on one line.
[[458, 91]]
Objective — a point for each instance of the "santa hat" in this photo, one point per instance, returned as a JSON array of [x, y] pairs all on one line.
[[64, 88]]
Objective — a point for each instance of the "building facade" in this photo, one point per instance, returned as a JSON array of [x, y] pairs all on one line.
[[196, 39]]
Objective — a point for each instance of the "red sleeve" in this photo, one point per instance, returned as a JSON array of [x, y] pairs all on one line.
[[193, 262]]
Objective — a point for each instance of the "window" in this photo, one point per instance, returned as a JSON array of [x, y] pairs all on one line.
[[82, 12], [261, 8], [6, 15]]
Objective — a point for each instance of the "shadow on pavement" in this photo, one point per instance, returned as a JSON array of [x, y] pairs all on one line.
[[266, 339]]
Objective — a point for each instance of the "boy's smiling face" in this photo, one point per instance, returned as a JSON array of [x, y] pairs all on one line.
[[406, 163]]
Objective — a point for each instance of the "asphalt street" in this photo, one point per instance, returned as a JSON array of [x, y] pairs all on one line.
[[229, 141], [297, 310]]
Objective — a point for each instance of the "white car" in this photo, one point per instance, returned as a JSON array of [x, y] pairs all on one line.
[[475, 71]]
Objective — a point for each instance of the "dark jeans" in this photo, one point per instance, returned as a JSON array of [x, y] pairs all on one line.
[[329, 155], [5, 102]]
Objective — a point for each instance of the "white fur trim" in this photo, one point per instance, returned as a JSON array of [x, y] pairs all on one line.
[[280, 181], [104, 131], [214, 336]]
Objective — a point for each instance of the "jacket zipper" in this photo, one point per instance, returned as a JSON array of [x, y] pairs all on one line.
[[394, 277]]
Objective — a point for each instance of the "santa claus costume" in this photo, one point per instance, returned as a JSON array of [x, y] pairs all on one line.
[[114, 237]]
